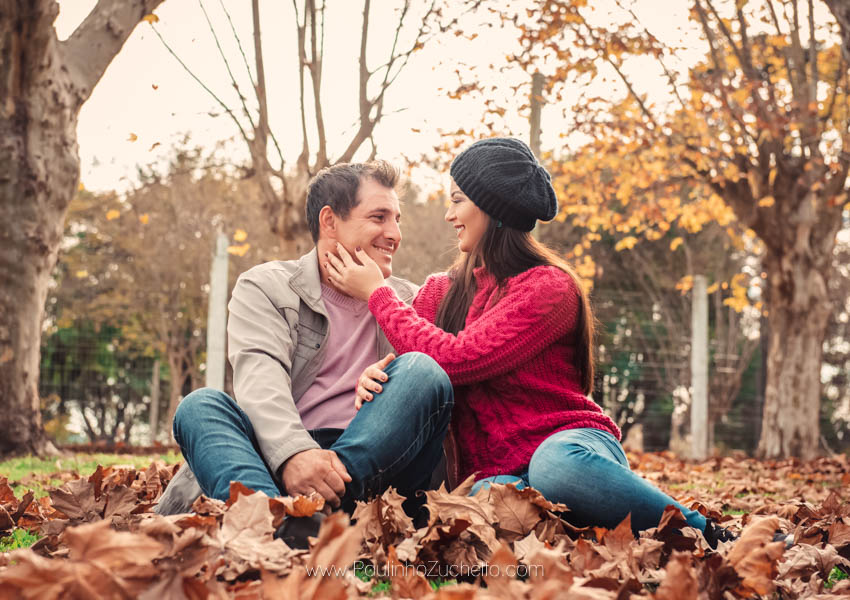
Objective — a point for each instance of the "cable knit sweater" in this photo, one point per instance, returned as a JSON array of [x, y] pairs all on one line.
[[512, 366]]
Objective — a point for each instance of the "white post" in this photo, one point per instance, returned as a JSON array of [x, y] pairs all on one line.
[[217, 315], [699, 369], [536, 102]]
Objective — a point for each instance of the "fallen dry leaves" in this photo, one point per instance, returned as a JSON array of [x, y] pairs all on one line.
[[100, 539]]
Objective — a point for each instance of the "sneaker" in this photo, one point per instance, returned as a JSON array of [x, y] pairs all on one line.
[[294, 531], [787, 538], [714, 533]]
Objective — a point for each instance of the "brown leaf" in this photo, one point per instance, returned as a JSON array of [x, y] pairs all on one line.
[[103, 564], [518, 511], [295, 506], [6, 521], [76, 500], [237, 489], [23, 506], [754, 557], [120, 500], [839, 533], [801, 561], [7, 494], [246, 535], [405, 581], [527, 547], [96, 480], [501, 570], [680, 583], [335, 549]]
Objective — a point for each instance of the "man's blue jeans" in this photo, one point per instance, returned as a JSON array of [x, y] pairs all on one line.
[[587, 470], [394, 440]]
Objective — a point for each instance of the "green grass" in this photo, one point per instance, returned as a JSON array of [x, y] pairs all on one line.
[[20, 538], [835, 576], [366, 572], [38, 469]]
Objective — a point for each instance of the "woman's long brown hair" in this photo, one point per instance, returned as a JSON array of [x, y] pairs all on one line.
[[507, 252]]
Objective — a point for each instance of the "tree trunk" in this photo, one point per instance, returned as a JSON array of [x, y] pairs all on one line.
[[154, 409], [841, 10], [799, 312], [177, 377], [43, 84]]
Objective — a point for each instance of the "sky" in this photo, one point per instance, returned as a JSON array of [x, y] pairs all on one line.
[[146, 103]]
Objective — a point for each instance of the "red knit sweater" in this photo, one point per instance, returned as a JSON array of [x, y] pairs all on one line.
[[512, 366]]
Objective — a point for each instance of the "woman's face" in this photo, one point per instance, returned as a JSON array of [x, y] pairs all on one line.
[[469, 221]]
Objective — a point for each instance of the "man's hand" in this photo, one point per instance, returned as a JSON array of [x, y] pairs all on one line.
[[315, 471]]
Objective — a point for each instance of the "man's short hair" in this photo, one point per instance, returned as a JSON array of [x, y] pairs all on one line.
[[337, 187]]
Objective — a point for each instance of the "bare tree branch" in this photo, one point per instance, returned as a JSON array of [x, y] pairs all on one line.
[[97, 40], [315, 65], [212, 94], [226, 64]]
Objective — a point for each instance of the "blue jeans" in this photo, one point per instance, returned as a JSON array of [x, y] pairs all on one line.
[[587, 470], [394, 440]]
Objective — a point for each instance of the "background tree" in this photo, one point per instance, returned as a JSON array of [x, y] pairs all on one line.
[[760, 128], [43, 84], [142, 263], [283, 185]]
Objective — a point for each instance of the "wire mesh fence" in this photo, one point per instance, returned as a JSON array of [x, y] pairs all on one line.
[[99, 384]]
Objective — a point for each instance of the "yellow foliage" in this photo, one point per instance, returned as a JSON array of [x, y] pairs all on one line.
[[150, 18], [239, 250], [132, 137], [685, 284], [144, 219], [626, 243], [767, 201], [112, 214], [713, 287], [240, 235], [676, 243], [81, 274]]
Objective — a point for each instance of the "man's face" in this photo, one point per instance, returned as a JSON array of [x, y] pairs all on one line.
[[373, 224]]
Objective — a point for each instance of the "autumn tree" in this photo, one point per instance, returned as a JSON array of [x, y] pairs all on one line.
[[142, 262], [759, 130], [43, 84], [284, 184]]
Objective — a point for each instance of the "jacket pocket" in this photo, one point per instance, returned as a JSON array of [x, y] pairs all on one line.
[[309, 341]]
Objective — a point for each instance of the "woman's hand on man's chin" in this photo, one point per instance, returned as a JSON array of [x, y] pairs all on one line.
[[358, 280]]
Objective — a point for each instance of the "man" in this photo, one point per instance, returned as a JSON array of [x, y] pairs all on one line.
[[297, 347]]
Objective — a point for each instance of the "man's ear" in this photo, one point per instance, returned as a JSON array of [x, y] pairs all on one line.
[[327, 223]]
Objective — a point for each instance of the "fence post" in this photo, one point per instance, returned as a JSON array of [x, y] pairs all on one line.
[[154, 410], [217, 315], [536, 102], [699, 369]]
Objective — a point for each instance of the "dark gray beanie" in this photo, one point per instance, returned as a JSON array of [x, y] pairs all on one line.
[[503, 178]]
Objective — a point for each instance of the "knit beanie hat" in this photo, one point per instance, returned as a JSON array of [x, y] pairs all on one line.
[[503, 178]]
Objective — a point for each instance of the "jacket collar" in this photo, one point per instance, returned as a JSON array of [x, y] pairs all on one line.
[[307, 282]]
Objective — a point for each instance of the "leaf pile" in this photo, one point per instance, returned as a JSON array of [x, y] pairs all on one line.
[[101, 540]]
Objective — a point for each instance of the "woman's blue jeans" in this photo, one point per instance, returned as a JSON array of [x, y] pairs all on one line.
[[587, 470], [394, 440]]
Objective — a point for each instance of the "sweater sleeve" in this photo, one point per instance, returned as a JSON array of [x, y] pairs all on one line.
[[539, 306]]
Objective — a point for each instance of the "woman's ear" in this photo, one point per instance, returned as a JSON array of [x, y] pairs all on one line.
[[327, 223]]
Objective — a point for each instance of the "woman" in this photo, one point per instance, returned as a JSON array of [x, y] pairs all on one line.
[[513, 328]]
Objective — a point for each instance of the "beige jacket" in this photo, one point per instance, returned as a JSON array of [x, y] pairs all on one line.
[[276, 331]]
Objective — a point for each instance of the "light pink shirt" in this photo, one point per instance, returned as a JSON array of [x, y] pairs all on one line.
[[350, 348]]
